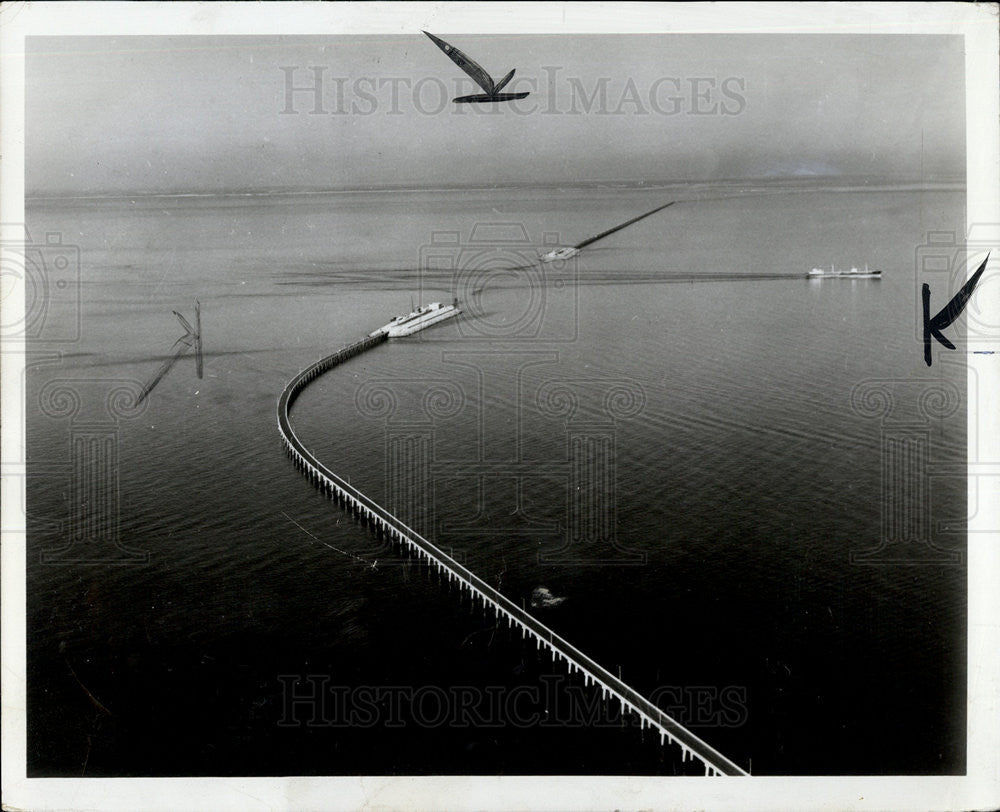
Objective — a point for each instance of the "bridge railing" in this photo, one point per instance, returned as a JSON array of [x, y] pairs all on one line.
[[576, 659]]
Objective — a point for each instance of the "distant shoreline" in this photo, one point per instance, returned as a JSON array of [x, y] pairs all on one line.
[[838, 183]]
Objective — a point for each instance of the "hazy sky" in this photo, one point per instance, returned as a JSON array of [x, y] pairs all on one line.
[[178, 114]]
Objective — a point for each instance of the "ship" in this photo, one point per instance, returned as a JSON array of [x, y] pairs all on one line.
[[560, 253], [573, 250], [854, 273], [419, 319]]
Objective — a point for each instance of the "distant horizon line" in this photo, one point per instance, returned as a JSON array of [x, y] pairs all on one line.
[[274, 191]]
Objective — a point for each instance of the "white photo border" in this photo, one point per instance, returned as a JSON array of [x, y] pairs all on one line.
[[978, 789]]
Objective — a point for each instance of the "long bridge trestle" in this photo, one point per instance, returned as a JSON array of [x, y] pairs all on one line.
[[410, 543]]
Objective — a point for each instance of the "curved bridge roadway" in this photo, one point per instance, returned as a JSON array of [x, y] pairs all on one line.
[[388, 526]]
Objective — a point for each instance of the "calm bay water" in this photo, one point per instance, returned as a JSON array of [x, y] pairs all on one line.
[[737, 474]]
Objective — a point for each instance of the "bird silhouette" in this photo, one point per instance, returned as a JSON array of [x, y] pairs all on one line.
[[479, 76]]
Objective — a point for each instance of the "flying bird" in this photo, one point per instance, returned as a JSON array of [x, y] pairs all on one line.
[[479, 76]]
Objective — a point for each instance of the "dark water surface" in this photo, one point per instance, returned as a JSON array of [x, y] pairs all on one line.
[[671, 453]]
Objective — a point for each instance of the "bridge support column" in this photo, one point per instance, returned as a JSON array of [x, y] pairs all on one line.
[[409, 452]]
